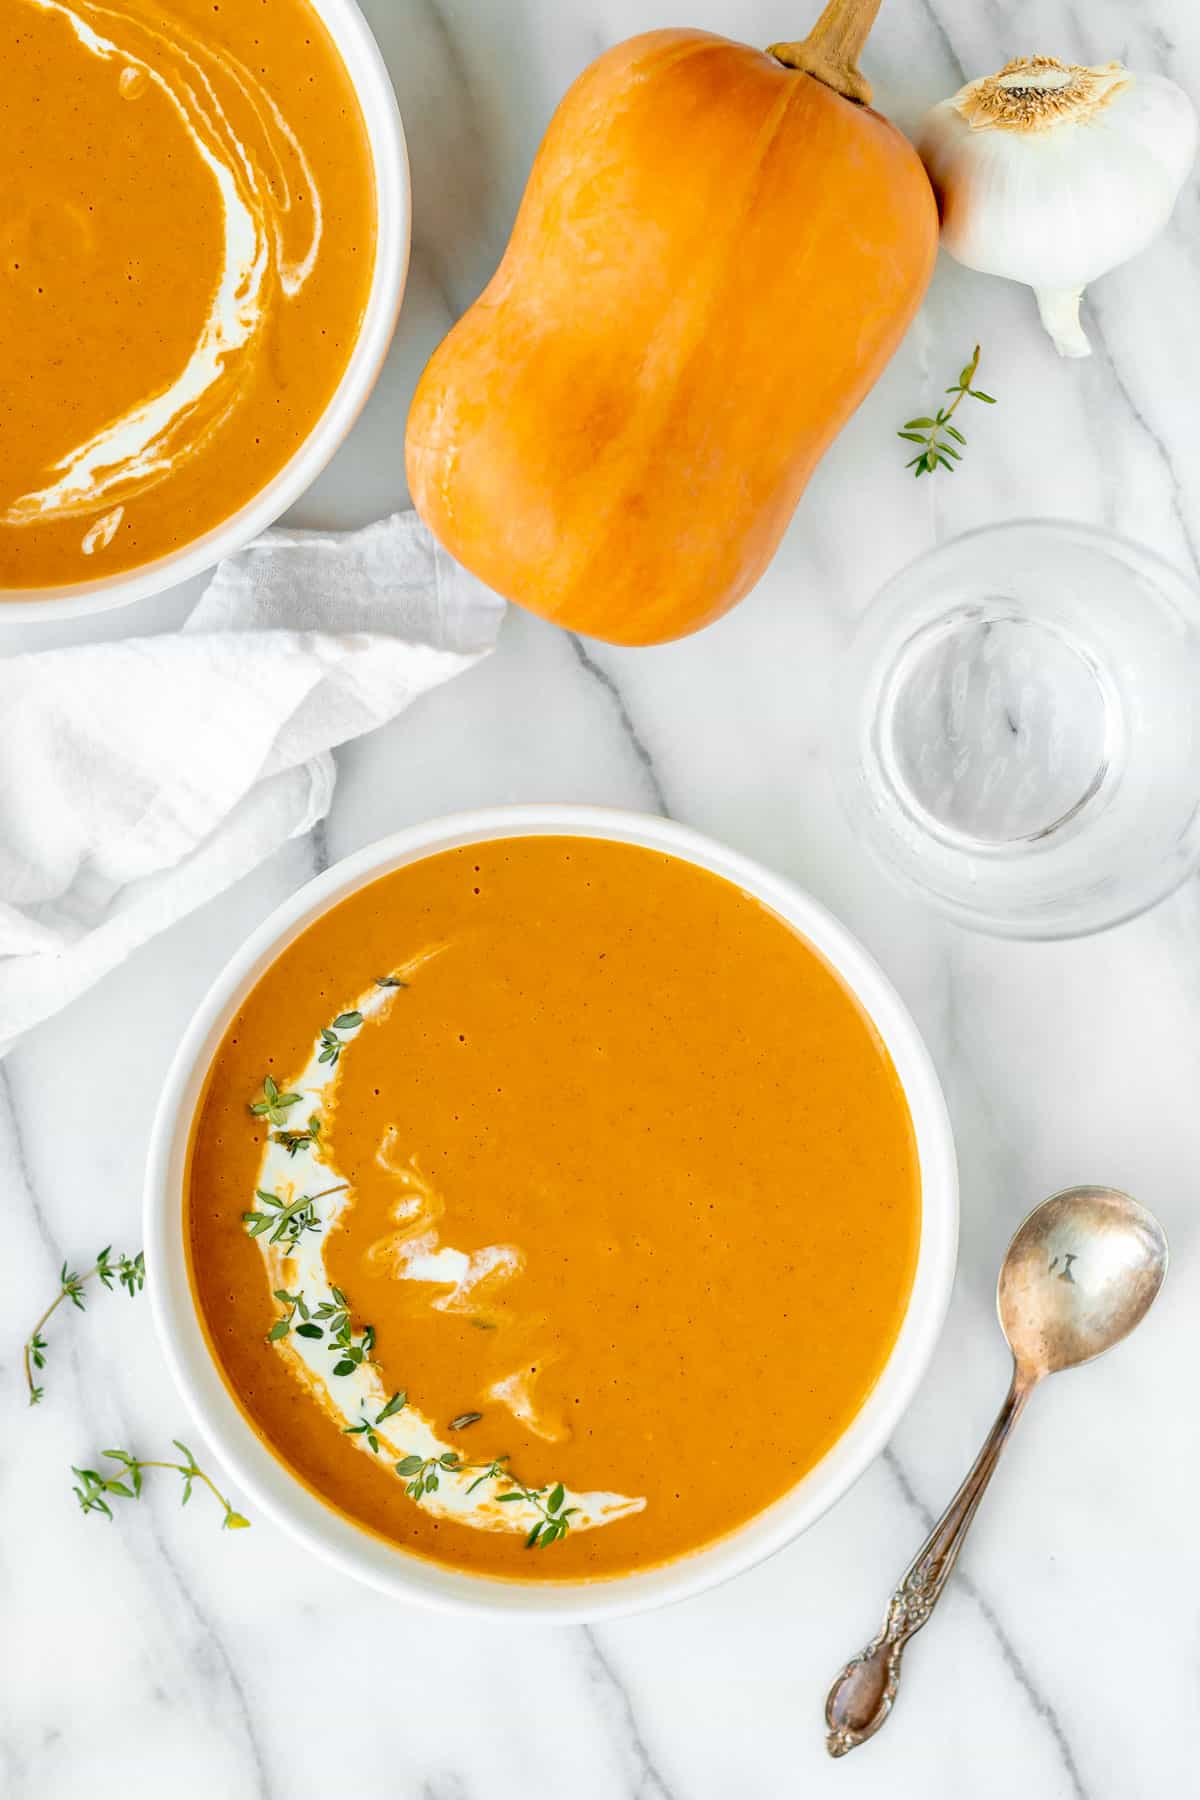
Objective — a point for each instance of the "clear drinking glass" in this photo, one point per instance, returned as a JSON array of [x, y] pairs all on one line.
[[1020, 728]]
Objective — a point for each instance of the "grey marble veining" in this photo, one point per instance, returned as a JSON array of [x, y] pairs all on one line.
[[160, 1654]]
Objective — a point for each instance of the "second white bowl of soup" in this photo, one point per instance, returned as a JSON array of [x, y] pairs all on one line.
[[205, 262]]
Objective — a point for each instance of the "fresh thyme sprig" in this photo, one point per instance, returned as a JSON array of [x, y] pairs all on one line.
[[288, 1220], [332, 1316], [331, 1044], [94, 1489], [556, 1518], [341, 1335], [128, 1271], [932, 434], [423, 1471], [422, 1475], [299, 1140], [274, 1105], [366, 1426], [295, 1303]]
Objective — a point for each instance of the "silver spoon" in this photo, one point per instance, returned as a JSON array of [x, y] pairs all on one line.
[[1080, 1273]]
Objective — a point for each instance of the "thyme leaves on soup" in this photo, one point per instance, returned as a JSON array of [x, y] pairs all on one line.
[[422, 1475], [556, 1518], [422, 1472], [333, 1317], [331, 1044], [555, 1521], [365, 1428], [299, 1140], [390, 981], [350, 1355], [95, 1490], [128, 1272], [286, 1220], [273, 1105], [295, 1304]]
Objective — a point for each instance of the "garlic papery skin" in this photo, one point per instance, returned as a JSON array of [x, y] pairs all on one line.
[[1052, 173]]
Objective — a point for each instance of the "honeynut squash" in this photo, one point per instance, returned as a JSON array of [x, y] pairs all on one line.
[[718, 251]]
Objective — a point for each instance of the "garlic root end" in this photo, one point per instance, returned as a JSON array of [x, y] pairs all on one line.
[[1059, 308]]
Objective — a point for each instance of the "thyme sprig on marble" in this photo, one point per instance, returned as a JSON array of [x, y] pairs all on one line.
[[95, 1490], [423, 1477], [129, 1272], [274, 1105], [286, 1220], [331, 1044], [932, 434]]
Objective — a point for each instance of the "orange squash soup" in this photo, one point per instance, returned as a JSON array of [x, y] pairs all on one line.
[[186, 248], [551, 1207]]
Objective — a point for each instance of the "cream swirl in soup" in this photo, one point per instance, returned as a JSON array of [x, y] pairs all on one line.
[[343, 1379]]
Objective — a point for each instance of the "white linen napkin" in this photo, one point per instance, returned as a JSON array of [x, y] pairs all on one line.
[[142, 777]]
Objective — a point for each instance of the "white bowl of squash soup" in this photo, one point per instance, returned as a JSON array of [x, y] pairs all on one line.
[[550, 1211], [202, 256]]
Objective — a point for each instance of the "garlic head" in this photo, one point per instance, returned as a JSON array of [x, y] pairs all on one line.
[[1053, 173]]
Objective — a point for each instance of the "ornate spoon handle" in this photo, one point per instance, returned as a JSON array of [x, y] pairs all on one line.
[[863, 1694]]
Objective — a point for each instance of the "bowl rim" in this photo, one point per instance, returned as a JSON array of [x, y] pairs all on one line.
[[363, 60], [280, 1496]]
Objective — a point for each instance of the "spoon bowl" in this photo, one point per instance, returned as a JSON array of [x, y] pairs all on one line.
[[1080, 1273]]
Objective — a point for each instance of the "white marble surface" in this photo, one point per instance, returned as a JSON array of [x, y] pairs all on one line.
[[161, 1654]]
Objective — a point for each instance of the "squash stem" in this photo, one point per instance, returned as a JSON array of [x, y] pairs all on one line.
[[832, 48]]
